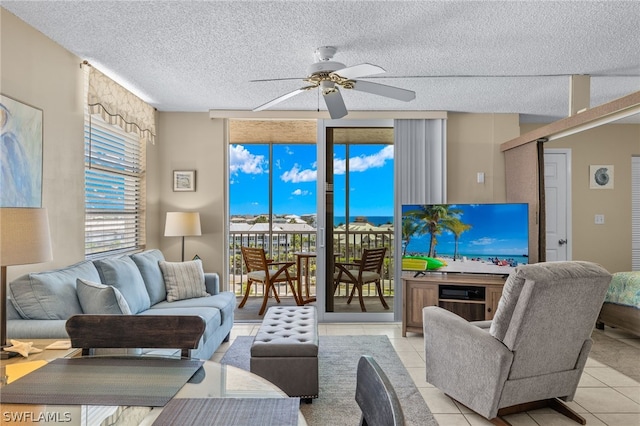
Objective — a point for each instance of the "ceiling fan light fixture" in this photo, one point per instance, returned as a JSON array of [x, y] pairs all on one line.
[[330, 76]]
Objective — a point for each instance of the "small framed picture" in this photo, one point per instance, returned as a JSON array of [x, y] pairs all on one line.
[[601, 176], [184, 180]]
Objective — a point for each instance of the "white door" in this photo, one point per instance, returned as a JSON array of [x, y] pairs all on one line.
[[557, 173]]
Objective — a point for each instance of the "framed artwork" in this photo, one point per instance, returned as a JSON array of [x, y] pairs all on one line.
[[601, 176], [21, 161], [184, 180]]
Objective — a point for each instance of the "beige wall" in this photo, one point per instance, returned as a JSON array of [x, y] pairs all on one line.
[[36, 71], [614, 144], [473, 145], [193, 141]]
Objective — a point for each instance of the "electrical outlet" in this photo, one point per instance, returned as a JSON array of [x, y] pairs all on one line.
[[599, 220]]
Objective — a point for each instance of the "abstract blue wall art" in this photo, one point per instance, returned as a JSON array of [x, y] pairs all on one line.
[[20, 154]]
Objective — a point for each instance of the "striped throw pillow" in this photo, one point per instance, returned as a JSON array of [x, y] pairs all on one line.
[[184, 280]]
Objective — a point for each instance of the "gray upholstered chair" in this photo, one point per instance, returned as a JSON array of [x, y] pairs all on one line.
[[375, 396], [534, 350]]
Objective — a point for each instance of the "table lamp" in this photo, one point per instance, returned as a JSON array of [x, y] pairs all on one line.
[[24, 239], [182, 224]]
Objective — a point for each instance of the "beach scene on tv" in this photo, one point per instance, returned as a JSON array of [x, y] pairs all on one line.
[[465, 238]]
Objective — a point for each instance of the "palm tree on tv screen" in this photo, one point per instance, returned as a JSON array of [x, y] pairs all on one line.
[[436, 218], [409, 228], [457, 227]]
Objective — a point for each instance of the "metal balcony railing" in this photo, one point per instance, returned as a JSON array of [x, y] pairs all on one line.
[[282, 246]]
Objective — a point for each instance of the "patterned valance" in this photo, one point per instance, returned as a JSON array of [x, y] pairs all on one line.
[[117, 106]]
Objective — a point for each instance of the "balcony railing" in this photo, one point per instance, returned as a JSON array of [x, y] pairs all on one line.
[[282, 246]]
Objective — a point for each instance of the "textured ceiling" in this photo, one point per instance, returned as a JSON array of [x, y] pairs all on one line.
[[202, 55]]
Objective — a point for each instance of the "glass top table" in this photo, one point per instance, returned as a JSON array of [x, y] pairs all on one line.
[[214, 380]]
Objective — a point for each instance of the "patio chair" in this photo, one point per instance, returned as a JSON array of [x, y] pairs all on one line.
[[375, 395], [367, 270], [265, 271]]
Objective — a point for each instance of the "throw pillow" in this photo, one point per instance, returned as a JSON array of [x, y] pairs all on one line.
[[101, 299], [184, 280], [50, 295], [123, 274]]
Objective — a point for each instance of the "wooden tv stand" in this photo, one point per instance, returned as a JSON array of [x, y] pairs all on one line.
[[473, 297]]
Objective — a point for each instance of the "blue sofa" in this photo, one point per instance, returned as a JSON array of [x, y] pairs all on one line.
[[39, 303]]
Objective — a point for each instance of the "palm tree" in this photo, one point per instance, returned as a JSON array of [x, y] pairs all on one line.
[[457, 228], [409, 228], [436, 218]]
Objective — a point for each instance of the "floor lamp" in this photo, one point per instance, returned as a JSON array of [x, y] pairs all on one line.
[[24, 239], [182, 224]]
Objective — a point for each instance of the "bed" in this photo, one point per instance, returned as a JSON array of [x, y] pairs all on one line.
[[621, 308]]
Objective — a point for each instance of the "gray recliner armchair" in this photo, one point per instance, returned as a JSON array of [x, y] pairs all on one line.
[[534, 350]]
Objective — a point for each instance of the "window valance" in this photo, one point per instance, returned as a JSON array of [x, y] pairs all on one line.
[[118, 106]]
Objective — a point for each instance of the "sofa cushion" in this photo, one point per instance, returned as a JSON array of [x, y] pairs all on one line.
[[224, 301], [147, 263], [51, 294], [184, 280], [96, 298], [211, 317], [123, 274]]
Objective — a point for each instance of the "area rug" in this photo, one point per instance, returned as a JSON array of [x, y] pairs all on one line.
[[337, 361]]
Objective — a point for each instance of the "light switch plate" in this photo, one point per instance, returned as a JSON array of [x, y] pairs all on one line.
[[599, 220]]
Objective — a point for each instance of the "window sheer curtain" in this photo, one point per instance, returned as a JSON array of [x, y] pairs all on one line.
[[421, 176], [524, 172]]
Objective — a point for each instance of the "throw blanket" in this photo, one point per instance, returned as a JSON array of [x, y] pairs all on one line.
[[624, 289]]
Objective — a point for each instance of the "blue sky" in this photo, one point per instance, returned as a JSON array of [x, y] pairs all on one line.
[[295, 179], [497, 229]]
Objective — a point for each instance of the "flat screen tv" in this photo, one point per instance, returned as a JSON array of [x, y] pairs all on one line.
[[465, 238]]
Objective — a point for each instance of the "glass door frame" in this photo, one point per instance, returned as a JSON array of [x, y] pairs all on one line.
[[322, 280]]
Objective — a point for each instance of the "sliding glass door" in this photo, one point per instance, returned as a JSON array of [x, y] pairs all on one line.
[[358, 201]]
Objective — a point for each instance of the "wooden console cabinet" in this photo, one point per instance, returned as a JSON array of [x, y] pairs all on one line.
[[473, 297]]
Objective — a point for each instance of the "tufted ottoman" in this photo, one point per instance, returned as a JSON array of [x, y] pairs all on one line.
[[285, 350]]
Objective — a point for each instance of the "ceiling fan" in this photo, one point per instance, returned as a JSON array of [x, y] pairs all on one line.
[[330, 76]]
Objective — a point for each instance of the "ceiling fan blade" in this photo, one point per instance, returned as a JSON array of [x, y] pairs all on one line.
[[282, 98], [384, 90], [277, 79], [335, 104], [357, 71]]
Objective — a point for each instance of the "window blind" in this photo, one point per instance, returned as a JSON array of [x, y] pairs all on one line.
[[114, 188]]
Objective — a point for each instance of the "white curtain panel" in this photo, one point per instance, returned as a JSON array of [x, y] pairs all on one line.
[[420, 161], [420, 177]]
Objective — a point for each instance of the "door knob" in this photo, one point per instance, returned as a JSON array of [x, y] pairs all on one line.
[[562, 242]]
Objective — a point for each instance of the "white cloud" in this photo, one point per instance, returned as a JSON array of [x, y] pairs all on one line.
[[241, 160], [300, 192], [484, 241], [363, 162], [295, 175]]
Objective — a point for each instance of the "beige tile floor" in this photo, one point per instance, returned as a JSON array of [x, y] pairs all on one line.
[[604, 396]]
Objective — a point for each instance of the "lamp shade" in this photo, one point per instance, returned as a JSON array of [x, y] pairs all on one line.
[[182, 224], [24, 236]]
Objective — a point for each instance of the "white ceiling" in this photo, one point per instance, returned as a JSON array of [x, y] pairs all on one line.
[[201, 55]]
